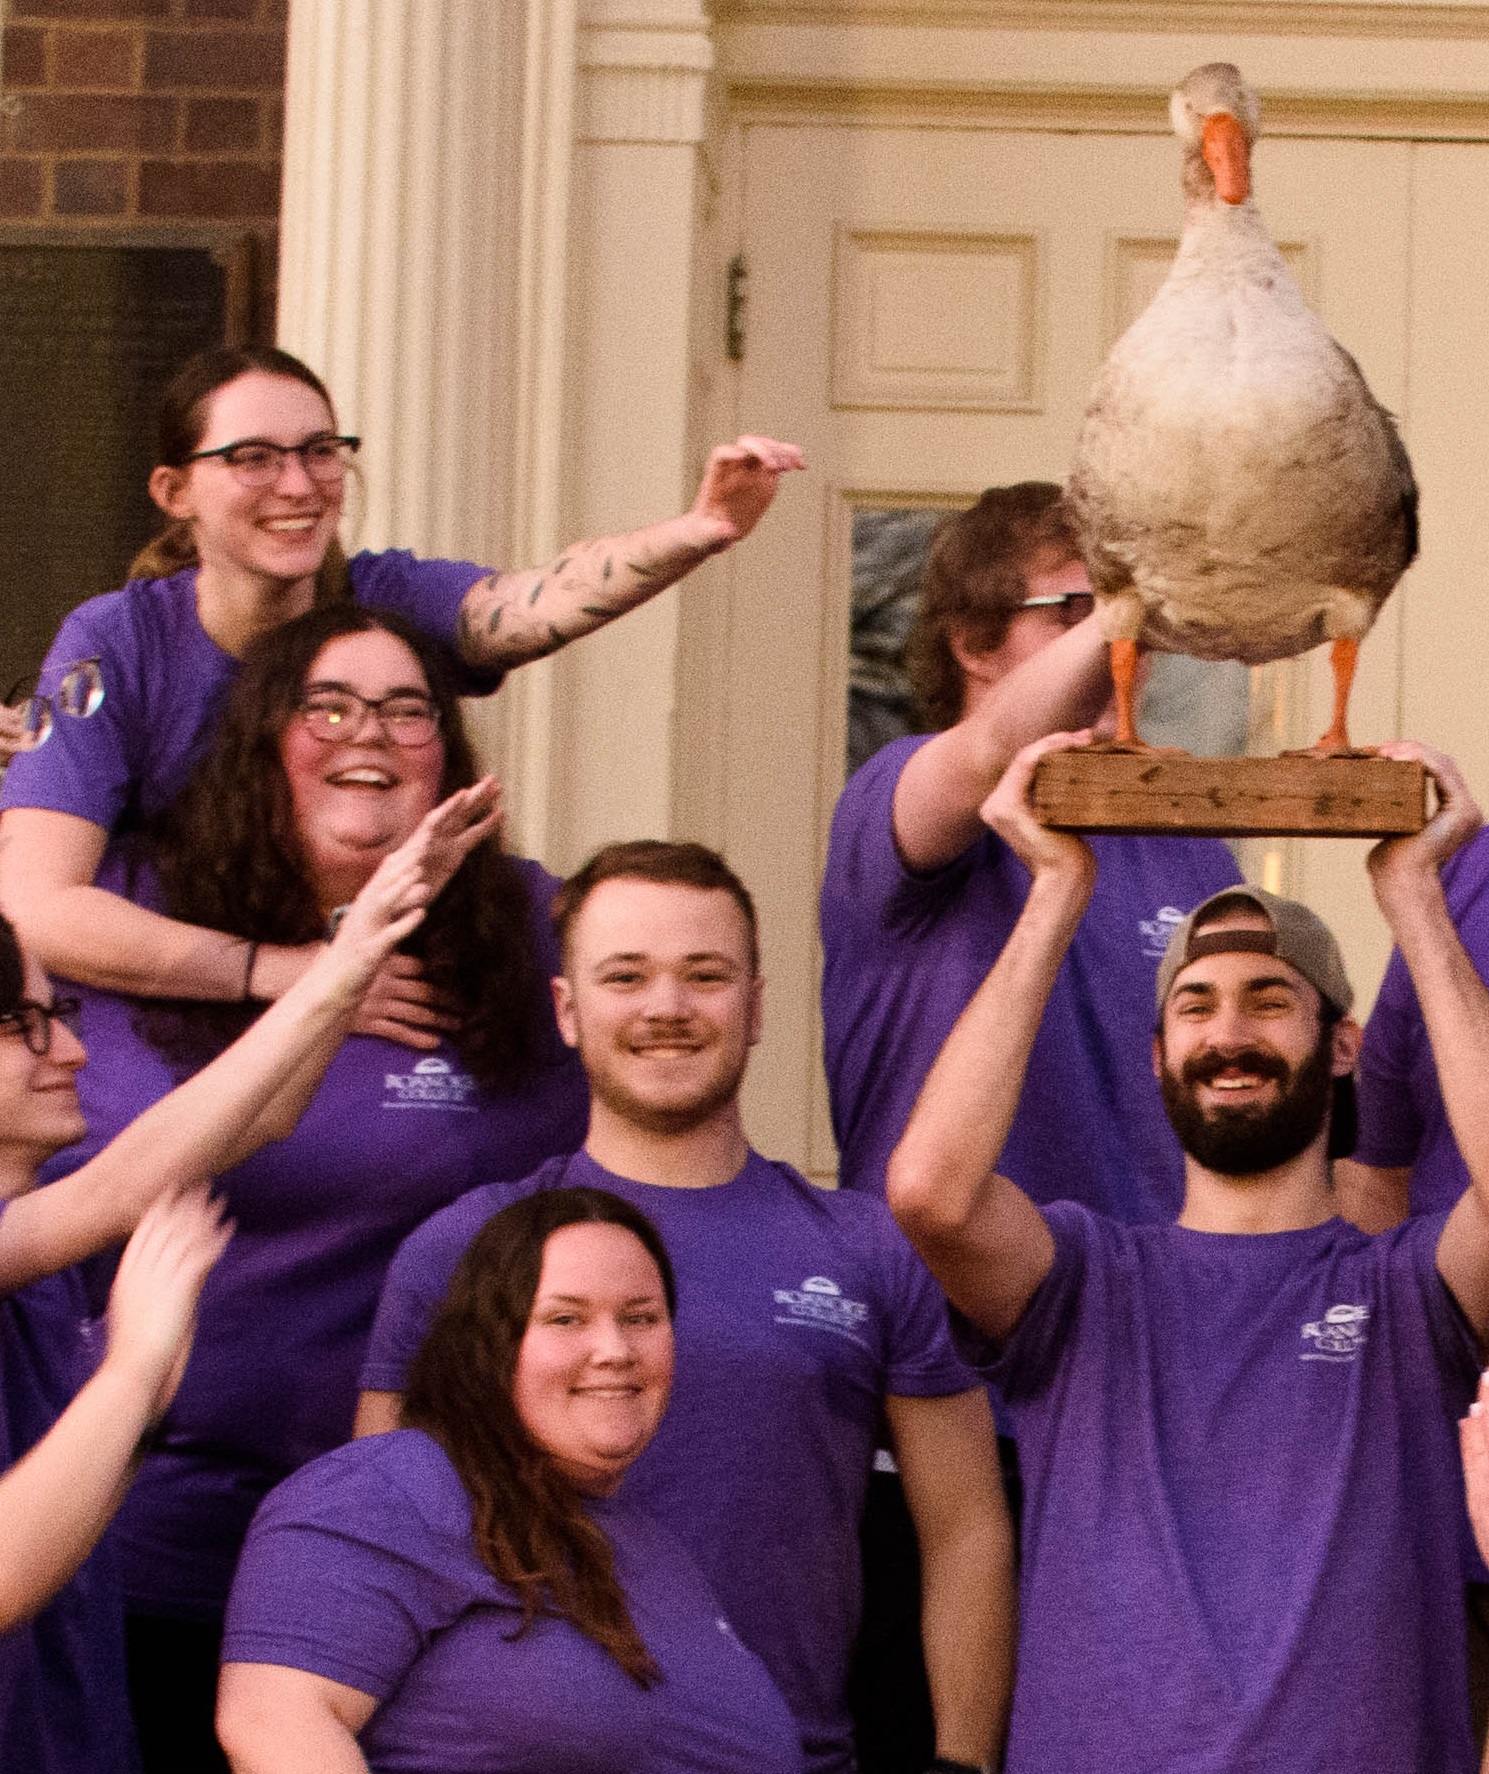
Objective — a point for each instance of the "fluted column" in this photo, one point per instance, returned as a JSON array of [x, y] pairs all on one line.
[[488, 235], [427, 153]]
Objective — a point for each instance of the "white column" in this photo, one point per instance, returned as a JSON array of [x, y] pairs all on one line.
[[639, 123], [487, 249], [427, 148]]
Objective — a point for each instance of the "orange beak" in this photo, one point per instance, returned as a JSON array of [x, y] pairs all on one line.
[[1228, 157]]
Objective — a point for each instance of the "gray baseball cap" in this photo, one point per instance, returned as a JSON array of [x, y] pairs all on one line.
[[1298, 936]]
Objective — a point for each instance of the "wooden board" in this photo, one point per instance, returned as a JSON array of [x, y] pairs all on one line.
[[1105, 791]]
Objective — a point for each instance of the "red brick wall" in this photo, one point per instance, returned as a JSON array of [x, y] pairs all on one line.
[[145, 113]]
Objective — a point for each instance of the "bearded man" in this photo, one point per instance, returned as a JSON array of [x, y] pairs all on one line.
[[1237, 1431]]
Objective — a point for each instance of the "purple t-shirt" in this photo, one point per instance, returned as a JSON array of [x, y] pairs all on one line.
[[904, 954], [799, 1309], [64, 1708], [1241, 1502], [165, 679], [391, 1136], [1402, 1118], [361, 1569]]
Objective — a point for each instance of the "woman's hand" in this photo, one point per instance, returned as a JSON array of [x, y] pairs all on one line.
[[393, 903], [152, 1305]]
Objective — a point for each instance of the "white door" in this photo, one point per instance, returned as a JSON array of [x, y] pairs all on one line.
[[926, 310]]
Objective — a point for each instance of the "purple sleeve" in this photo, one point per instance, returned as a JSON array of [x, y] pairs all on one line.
[[865, 872], [330, 1579], [1392, 1121], [88, 767], [428, 593], [413, 1289], [1025, 1363], [922, 1361]]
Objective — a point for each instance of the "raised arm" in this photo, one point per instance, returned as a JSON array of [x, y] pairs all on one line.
[[507, 619], [256, 1089], [1455, 1009], [943, 785], [57, 1500], [980, 1235]]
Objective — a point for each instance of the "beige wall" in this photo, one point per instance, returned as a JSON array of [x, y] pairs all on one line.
[[624, 150]]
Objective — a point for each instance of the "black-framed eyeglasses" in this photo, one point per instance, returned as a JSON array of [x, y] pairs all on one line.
[[79, 694], [1070, 607], [335, 714], [256, 462], [33, 1021]]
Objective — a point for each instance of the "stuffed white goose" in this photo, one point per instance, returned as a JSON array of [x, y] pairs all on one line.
[[1240, 492]]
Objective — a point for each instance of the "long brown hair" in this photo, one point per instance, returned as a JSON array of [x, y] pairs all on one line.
[[229, 856], [531, 1529], [181, 423]]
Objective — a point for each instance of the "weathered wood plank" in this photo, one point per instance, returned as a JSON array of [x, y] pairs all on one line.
[[1353, 797]]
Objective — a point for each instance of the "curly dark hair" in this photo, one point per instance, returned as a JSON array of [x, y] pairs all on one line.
[[974, 581], [12, 968], [229, 856], [181, 423], [531, 1529]]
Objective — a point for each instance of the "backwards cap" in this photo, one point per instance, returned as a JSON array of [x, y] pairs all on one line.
[[1297, 936]]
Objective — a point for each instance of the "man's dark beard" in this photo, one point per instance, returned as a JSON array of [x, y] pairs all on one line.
[[1245, 1140]]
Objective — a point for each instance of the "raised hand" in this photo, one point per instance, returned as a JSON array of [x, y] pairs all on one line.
[[152, 1305], [1397, 861], [1009, 812], [739, 482], [392, 904]]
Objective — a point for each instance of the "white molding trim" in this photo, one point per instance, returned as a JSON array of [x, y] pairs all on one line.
[[642, 83], [1349, 18], [921, 105]]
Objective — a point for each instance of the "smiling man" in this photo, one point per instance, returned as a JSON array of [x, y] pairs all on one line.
[[802, 1315], [1238, 1430]]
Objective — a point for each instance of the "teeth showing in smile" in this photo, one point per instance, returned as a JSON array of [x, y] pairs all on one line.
[[362, 777], [290, 523]]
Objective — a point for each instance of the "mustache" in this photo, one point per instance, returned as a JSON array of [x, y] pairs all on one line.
[[1206, 1067]]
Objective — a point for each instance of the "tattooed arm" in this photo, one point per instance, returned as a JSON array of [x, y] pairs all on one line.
[[507, 619]]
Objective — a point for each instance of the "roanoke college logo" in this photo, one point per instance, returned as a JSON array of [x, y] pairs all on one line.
[[432, 1084], [820, 1304], [1155, 932], [1338, 1336]]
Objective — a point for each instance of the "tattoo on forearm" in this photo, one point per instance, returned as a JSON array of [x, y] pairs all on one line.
[[586, 587]]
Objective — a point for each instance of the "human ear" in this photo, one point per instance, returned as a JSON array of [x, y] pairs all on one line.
[[563, 1010], [168, 490], [1348, 1038]]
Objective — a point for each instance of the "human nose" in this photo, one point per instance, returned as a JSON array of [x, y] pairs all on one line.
[[612, 1343], [66, 1049], [666, 997], [292, 463]]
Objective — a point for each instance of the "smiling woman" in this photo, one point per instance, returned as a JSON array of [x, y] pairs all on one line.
[[250, 474], [341, 732], [467, 1592]]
